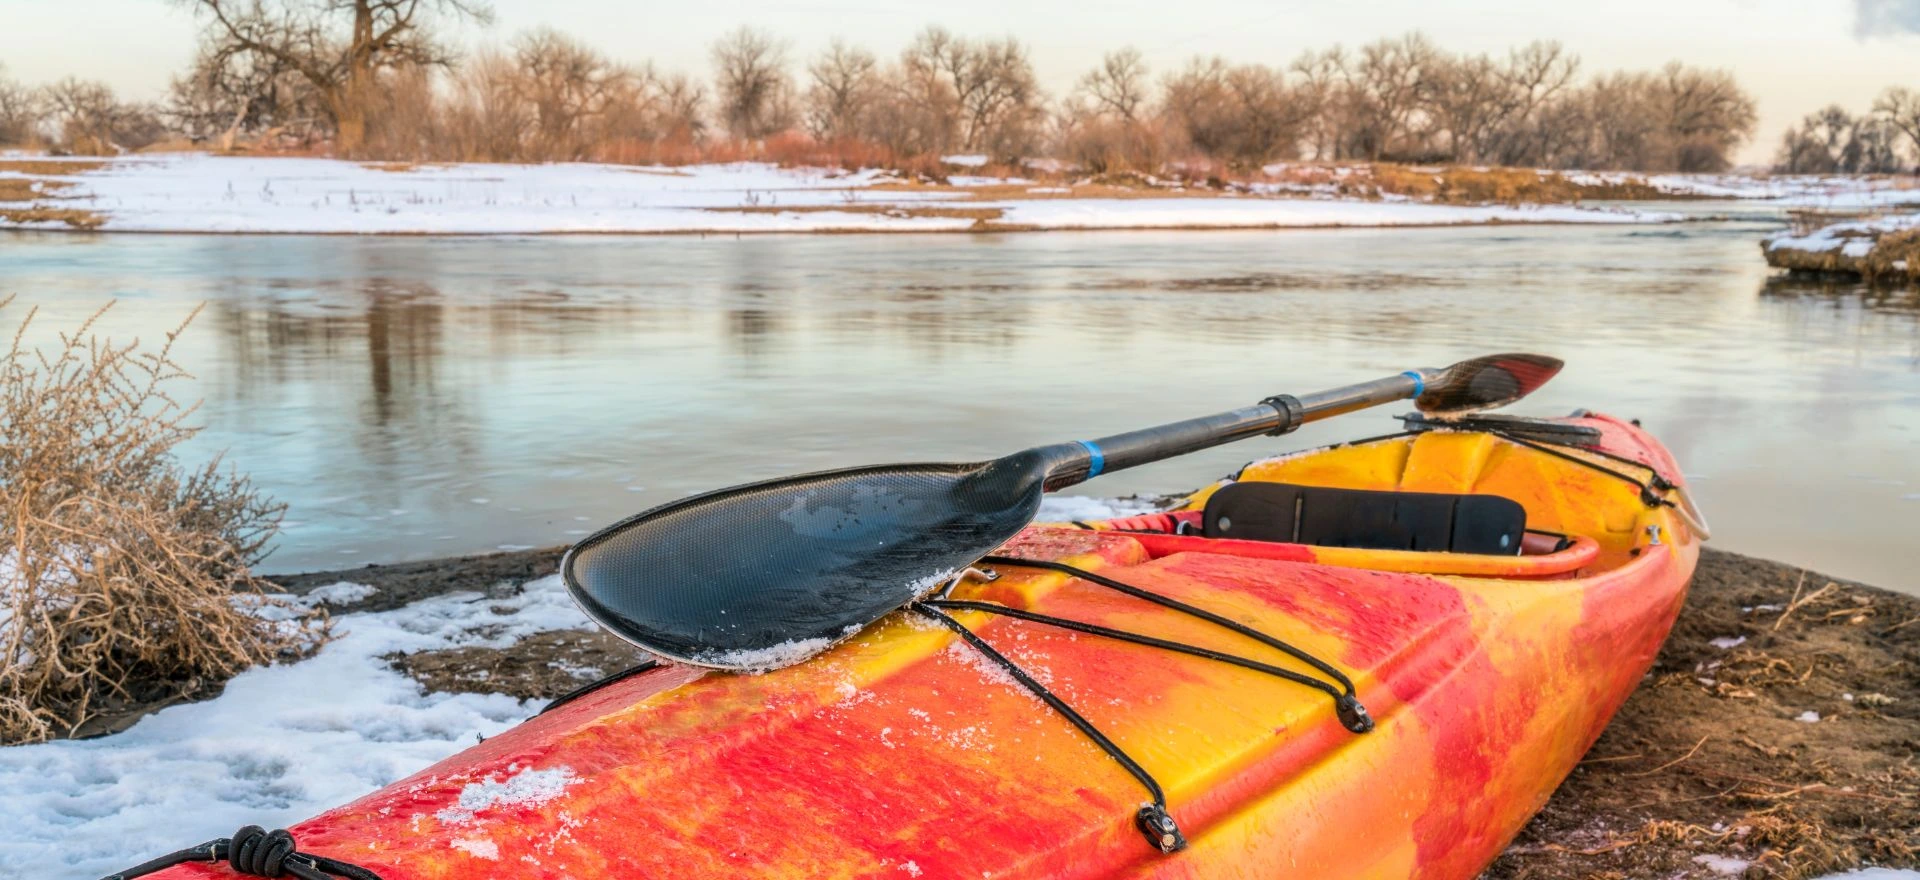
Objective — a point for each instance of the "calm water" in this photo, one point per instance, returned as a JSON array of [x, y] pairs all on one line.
[[420, 397]]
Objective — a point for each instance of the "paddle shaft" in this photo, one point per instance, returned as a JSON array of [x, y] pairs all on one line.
[[1069, 464]]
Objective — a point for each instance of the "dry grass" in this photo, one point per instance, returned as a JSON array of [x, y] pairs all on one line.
[[74, 217], [1895, 257], [1498, 185], [120, 570], [49, 167]]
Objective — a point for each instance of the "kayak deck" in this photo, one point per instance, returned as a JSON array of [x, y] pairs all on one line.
[[903, 753]]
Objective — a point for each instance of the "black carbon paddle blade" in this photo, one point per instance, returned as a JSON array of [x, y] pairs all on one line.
[[1486, 383], [769, 574]]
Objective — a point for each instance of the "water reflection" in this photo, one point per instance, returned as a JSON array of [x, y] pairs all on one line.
[[417, 397]]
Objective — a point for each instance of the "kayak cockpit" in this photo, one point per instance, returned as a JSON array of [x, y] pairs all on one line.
[[1481, 503]]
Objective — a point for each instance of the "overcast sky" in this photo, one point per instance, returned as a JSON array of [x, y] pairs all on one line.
[[1794, 55]]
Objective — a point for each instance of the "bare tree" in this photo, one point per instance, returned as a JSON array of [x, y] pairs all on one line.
[[1388, 80], [20, 111], [1118, 86], [1468, 97], [988, 90], [93, 121], [1706, 115], [1900, 107], [567, 87], [227, 92], [756, 94], [1245, 114], [1324, 86], [340, 46], [845, 84], [1535, 76]]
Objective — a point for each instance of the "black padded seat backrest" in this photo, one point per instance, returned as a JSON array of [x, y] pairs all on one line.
[[1364, 518]]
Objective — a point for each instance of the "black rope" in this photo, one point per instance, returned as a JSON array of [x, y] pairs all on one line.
[[1344, 703], [603, 681], [1153, 819], [1339, 677], [256, 852]]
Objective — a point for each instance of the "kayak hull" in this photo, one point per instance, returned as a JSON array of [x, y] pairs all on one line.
[[901, 753]]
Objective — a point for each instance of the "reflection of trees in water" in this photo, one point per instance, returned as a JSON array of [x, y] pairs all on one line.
[[1892, 311], [396, 366], [1843, 292]]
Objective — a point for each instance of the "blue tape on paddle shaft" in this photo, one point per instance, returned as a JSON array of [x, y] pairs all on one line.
[[1099, 462], [1419, 384]]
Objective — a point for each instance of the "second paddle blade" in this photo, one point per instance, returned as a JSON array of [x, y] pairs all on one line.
[[768, 574]]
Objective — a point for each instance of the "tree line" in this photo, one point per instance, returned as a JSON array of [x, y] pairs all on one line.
[[369, 79]]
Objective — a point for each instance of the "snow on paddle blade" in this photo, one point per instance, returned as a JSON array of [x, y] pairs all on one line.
[[281, 743], [765, 659]]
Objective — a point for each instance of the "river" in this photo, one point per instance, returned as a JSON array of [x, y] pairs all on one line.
[[415, 397]]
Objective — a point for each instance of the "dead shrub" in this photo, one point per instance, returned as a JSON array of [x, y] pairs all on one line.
[[120, 569], [1895, 257]]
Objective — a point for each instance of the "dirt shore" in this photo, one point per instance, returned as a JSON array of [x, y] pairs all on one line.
[[1716, 767]]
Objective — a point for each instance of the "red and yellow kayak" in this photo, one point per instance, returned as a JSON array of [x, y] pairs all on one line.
[[901, 753]]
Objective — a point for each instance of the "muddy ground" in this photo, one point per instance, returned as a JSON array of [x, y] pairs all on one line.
[[1714, 768]]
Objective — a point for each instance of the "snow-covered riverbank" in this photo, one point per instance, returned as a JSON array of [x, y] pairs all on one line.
[[200, 193]]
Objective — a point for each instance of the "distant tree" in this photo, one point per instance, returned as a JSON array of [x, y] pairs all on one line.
[[568, 87], [1324, 86], [1705, 116], [1102, 124], [683, 107], [228, 91], [844, 84], [1389, 81], [21, 109], [1832, 141], [1245, 114], [1535, 77], [756, 94], [1900, 107], [1118, 86], [1468, 97], [339, 46], [92, 121], [986, 91]]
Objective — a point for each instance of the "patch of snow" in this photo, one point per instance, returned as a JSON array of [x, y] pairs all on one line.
[[1727, 643], [965, 160], [525, 788], [478, 848], [279, 744], [973, 180], [339, 593], [1853, 238], [765, 659], [1731, 867], [1808, 716]]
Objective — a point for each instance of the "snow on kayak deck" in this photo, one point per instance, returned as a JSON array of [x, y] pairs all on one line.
[[201, 193], [285, 742]]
